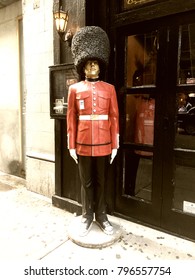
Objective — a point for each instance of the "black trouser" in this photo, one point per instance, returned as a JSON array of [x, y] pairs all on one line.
[[92, 175]]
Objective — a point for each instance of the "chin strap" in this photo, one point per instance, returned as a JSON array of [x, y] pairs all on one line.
[[92, 80]]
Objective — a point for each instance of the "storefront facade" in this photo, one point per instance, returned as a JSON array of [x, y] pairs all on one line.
[[152, 66]]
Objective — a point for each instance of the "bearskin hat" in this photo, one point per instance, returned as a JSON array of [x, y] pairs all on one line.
[[90, 42]]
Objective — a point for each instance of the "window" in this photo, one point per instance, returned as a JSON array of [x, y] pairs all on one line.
[[186, 69], [141, 56], [184, 192]]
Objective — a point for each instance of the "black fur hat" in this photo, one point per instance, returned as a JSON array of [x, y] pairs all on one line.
[[90, 42]]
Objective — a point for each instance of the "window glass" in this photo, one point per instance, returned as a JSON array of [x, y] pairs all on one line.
[[138, 174], [185, 132], [184, 178], [184, 191], [139, 130], [186, 61], [139, 123], [141, 58], [141, 62]]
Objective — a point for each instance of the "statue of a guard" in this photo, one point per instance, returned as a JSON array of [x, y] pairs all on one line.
[[92, 123]]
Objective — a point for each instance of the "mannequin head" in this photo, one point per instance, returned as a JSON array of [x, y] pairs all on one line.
[[92, 69]]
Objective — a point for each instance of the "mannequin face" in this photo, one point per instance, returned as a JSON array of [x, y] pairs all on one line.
[[92, 69]]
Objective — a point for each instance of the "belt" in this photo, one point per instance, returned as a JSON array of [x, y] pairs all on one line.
[[93, 117]]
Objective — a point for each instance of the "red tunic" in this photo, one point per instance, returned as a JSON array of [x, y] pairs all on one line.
[[98, 136]]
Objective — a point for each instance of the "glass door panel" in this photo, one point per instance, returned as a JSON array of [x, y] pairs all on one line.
[[138, 175], [141, 55], [138, 134], [185, 120], [186, 73], [139, 131], [184, 191]]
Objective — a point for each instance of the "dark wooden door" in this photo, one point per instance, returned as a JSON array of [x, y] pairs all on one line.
[[155, 75]]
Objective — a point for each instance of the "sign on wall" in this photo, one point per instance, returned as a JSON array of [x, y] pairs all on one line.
[[61, 77], [129, 4]]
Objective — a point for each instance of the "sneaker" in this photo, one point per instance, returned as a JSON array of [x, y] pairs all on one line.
[[106, 226], [85, 226]]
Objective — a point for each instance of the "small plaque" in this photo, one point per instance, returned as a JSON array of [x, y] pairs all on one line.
[[189, 207]]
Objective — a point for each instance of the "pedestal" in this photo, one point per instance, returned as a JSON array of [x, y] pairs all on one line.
[[96, 238]]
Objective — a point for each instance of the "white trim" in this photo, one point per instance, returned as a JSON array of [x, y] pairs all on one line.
[[93, 117]]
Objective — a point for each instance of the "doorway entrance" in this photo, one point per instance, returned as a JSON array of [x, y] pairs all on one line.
[[155, 70]]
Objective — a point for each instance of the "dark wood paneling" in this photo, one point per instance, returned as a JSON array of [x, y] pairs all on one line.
[[152, 12], [76, 10], [98, 13], [56, 38], [58, 163], [67, 183], [70, 183], [67, 204]]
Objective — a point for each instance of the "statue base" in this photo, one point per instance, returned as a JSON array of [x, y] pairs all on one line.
[[95, 238]]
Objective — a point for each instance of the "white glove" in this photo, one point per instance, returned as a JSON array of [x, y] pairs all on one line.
[[113, 154], [73, 155]]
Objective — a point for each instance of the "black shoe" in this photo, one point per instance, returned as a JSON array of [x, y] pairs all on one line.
[[106, 226], [85, 226]]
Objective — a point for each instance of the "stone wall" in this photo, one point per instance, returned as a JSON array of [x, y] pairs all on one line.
[[10, 109], [38, 56]]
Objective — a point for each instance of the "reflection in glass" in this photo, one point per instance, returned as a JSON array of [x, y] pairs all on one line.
[[139, 129], [184, 187], [185, 121], [184, 191], [186, 72], [138, 175], [141, 56], [140, 111]]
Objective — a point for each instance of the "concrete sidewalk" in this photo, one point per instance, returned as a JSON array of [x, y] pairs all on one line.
[[32, 229]]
